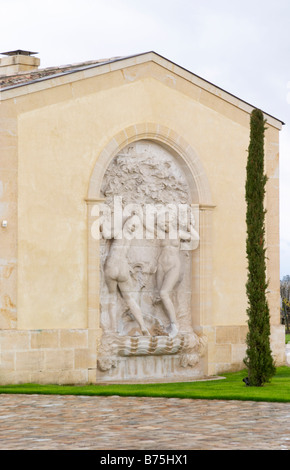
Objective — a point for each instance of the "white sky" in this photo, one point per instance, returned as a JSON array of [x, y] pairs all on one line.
[[241, 46]]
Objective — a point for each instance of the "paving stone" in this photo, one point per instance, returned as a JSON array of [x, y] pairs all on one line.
[[41, 422]]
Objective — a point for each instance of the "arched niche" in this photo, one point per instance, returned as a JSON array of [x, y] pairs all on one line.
[[188, 177], [184, 153]]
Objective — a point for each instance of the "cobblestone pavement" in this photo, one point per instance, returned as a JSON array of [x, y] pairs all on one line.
[[35, 422]]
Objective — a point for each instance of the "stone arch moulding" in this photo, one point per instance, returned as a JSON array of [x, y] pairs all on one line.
[[200, 196], [162, 135]]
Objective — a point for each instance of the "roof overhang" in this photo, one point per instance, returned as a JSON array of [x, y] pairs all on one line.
[[102, 67]]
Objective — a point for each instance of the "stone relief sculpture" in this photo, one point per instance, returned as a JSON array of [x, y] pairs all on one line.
[[117, 274], [145, 173], [145, 261], [169, 267]]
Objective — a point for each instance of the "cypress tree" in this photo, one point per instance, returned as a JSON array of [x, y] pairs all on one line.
[[258, 358]]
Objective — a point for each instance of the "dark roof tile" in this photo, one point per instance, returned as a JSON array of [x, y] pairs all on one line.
[[21, 78]]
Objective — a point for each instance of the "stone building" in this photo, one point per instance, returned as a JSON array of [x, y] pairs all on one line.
[[143, 131]]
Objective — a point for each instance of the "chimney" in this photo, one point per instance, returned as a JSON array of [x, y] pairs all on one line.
[[18, 61]]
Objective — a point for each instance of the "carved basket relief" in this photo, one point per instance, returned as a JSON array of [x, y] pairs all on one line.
[[149, 234]]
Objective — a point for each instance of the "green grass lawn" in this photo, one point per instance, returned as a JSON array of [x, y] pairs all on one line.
[[231, 387]]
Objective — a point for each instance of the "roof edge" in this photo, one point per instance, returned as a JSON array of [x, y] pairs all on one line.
[[152, 54], [216, 86]]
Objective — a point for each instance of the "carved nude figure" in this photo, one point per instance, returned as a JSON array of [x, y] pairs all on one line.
[[169, 267], [117, 273]]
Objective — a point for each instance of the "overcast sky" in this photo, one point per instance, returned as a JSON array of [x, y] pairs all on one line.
[[241, 46]]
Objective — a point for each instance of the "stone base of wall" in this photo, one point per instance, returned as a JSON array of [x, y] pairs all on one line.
[[47, 356], [227, 347], [70, 356], [150, 369]]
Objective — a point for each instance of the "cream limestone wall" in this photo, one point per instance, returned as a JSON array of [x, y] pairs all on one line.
[[58, 147], [8, 212], [60, 132]]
